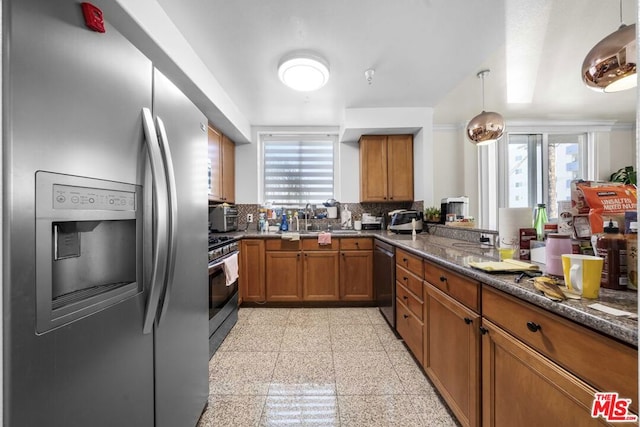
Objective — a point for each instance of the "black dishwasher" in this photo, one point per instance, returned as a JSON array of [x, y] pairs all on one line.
[[384, 280]]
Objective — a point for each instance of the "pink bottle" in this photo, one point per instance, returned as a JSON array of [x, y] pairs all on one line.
[[557, 244]]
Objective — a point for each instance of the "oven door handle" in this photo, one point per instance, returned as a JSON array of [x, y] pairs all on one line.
[[173, 218], [220, 263], [159, 222]]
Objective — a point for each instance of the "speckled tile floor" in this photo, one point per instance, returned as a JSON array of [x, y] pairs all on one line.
[[318, 367]]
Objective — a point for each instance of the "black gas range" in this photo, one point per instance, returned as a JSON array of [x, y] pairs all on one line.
[[220, 246], [223, 294]]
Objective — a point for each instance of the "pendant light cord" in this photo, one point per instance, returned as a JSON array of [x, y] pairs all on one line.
[[482, 78], [621, 12]]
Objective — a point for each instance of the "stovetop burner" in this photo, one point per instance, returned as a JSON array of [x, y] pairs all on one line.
[[215, 240]]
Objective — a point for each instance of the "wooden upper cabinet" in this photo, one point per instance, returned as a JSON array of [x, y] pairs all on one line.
[[222, 159], [400, 167], [228, 170], [215, 161], [386, 168]]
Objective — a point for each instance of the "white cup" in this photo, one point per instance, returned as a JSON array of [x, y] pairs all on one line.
[[357, 224]]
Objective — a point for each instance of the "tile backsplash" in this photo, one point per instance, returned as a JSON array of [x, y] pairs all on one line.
[[356, 208]]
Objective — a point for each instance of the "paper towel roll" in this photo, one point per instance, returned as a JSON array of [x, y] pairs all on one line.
[[510, 221]]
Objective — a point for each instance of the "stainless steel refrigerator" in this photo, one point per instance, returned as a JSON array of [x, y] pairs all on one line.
[[105, 224]]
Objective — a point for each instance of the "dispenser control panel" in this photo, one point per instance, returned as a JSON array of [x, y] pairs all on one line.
[[72, 197]]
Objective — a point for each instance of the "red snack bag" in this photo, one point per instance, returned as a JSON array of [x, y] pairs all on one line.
[[609, 203]]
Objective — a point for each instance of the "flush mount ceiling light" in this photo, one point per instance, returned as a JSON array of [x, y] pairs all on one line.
[[368, 75], [487, 126], [303, 71], [611, 65]]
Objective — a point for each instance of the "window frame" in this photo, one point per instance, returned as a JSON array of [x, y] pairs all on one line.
[[264, 137], [540, 190]]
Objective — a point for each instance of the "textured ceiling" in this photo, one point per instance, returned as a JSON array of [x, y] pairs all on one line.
[[425, 53]]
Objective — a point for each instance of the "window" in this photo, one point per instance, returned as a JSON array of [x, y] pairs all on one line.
[[540, 167], [298, 169]]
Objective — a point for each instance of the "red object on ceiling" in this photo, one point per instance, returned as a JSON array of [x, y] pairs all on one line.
[[93, 18]]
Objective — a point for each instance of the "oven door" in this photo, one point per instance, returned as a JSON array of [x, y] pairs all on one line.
[[219, 293]]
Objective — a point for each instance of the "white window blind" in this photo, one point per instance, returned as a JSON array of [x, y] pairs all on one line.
[[298, 171]]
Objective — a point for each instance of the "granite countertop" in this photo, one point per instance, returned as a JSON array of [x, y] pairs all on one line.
[[456, 255]]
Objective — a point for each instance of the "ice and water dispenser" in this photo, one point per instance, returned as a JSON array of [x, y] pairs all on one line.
[[88, 248]]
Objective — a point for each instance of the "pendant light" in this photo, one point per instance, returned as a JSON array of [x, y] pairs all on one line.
[[611, 65], [487, 126]]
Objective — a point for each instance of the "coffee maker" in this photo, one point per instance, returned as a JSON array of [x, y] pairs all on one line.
[[454, 207]]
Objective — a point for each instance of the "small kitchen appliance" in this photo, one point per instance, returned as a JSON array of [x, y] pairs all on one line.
[[223, 218], [401, 221], [458, 206]]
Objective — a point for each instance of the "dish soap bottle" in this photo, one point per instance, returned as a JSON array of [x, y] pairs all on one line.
[[283, 225]]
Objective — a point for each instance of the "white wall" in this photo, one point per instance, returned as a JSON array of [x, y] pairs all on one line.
[[615, 150]]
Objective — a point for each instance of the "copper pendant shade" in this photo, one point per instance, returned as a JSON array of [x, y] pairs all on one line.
[[611, 65], [486, 127]]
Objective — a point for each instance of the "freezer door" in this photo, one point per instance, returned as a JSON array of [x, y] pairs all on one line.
[[71, 105], [182, 332]]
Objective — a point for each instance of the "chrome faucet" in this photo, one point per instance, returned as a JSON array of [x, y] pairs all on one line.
[[307, 208]]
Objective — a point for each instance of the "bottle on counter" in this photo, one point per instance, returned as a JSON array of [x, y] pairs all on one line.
[[284, 226], [540, 220], [612, 246], [632, 256]]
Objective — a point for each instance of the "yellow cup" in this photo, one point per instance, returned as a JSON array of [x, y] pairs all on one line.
[[506, 253], [582, 274]]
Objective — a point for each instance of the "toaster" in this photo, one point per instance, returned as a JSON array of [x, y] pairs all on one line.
[[401, 221]]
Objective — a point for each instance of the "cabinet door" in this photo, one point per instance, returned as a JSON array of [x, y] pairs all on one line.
[[400, 168], [522, 388], [452, 354], [320, 276], [252, 280], [373, 168], [215, 157], [356, 275], [283, 280], [228, 170]]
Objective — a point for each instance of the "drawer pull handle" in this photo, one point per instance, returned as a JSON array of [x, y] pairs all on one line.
[[483, 330], [467, 320], [406, 316], [443, 278], [533, 327]]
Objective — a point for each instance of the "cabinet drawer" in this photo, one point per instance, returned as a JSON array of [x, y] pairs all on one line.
[[411, 262], [282, 245], [354, 244], [409, 299], [312, 245], [459, 287], [606, 364], [409, 281], [410, 329]]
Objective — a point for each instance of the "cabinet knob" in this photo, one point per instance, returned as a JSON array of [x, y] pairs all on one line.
[[406, 316], [405, 297], [467, 320], [404, 260], [405, 279], [443, 278], [358, 244], [483, 330], [533, 327]]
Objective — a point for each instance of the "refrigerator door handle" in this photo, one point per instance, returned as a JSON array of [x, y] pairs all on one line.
[[160, 221], [173, 216]]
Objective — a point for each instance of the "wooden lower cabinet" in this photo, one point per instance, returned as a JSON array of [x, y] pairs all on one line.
[[356, 275], [523, 388], [283, 277], [320, 273], [410, 328], [452, 353], [252, 269]]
